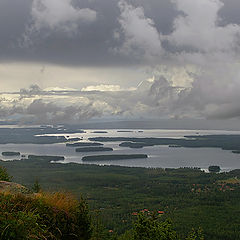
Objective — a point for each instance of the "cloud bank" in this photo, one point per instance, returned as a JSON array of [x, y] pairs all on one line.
[[189, 51]]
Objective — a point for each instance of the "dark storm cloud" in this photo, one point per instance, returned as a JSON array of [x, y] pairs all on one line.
[[14, 15], [198, 38], [89, 45], [230, 12]]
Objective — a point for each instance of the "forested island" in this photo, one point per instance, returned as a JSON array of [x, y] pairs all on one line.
[[84, 144], [134, 144], [73, 139], [215, 169], [44, 158], [11, 153], [113, 157], [99, 132], [93, 149], [124, 131]]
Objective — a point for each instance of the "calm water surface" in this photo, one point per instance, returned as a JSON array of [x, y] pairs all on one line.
[[159, 156]]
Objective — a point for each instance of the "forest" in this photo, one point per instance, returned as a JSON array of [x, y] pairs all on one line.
[[118, 196]]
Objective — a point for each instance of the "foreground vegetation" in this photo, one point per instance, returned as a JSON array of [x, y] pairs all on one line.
[[118, 195], [41, 215]]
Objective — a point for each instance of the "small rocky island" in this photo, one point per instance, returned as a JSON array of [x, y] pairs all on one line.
[[113, 157]]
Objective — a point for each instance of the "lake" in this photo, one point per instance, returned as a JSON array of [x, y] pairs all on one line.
[[159, 156]]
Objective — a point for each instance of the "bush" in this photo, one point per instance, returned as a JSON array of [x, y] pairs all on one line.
[[196, 235], [44, 216], [150, 227], [4, 175], [36, 187]]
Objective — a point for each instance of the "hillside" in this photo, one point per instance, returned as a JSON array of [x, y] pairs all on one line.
[[190, 197]]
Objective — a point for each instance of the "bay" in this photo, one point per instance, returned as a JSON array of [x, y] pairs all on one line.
[[159, 156]]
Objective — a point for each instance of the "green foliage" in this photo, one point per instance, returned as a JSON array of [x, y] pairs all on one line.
[[190, 197], [196, 235], [43, 216], [36, 187], [4, 175], [16, 221], [128, 235], [150, 227]]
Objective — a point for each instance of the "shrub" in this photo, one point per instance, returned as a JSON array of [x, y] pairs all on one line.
[[150, 227], [36, 187], [44, 216], [4, 175], [196, 235]]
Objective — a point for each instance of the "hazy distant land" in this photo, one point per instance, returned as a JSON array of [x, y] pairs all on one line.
[[225, 142]]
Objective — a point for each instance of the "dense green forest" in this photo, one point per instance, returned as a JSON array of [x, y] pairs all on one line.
[[118, 196]]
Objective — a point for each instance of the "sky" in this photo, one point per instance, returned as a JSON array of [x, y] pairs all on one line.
[[70, 61]]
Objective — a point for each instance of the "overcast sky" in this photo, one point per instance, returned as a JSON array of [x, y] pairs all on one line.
[[73, 60]]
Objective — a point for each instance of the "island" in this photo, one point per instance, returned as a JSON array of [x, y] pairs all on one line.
[[84, 144], [11, 153], [236, 151], [74, 139], [134, 144], [35, 135], [214, 169], [125, 131], [99, 132], [113, 157], [45, 158], [225, 142], [94, 149]]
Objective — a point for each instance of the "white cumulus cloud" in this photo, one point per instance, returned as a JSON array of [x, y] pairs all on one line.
[[197, 27], [60, 15], [141, 38]]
